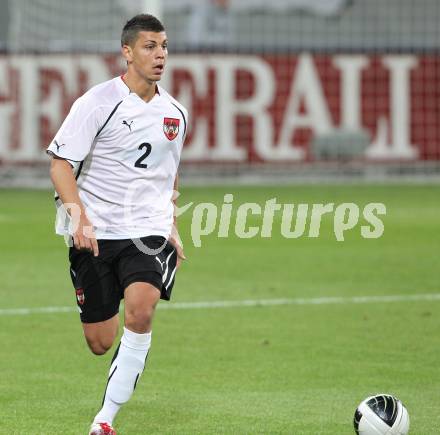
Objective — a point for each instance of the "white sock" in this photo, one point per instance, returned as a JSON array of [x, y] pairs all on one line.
[[125, 370]]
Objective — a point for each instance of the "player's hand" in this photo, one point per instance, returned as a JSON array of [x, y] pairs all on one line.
[[84, 236], [178, 245], [179, 251]]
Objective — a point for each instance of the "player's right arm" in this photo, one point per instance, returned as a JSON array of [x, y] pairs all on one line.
[[67, 189], [70, 147]]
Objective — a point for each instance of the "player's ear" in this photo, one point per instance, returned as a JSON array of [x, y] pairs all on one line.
[[127, 52]]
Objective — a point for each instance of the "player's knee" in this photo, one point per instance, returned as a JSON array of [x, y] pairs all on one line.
[[98, 348], [100, 336], [139, 319], [99, 345], [140, 303]]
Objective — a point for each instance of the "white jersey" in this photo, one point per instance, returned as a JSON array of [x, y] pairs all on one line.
[[125, 153]]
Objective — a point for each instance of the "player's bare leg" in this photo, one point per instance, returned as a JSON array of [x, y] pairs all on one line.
[[101, 335], [130, 357], [140, 302]]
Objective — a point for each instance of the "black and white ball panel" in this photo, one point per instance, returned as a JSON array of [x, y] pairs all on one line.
[[381, 414], [385, 406]]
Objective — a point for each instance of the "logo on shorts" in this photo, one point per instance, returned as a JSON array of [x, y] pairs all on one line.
[[171, 127], [162, 263], [80, 296]]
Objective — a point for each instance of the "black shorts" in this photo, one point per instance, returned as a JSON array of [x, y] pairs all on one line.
[[100, 282]]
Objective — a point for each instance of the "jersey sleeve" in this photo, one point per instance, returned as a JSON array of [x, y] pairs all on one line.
[[78, 131]]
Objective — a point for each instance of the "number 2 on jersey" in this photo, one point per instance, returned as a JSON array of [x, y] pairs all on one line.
[[146, 153]]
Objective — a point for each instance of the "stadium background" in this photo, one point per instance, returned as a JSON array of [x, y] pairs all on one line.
[[306, 101], [275, 88]]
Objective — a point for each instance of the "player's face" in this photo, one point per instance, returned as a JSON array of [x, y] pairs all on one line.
[[148, 55]]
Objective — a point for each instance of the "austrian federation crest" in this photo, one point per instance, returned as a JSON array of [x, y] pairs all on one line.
[[171, 127], [80, 296]]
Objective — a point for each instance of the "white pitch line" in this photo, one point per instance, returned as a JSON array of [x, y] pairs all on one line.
[[247, 303], [37, 310]]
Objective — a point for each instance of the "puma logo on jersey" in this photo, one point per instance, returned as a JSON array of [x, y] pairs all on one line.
[[127, 124], [58, 146]]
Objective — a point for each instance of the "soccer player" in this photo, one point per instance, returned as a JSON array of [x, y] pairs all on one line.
[[114, 167]]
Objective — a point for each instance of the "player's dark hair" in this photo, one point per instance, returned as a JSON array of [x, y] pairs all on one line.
[[140, 23]]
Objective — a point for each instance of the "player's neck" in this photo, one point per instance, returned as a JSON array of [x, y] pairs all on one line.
[[145, 90]]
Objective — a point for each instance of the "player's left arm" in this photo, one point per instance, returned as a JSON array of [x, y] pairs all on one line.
[[174, 237]]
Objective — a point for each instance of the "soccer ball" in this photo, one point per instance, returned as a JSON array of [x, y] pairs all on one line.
[[381, 414]]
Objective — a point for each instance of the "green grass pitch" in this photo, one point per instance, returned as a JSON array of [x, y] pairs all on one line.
[[287, 369]]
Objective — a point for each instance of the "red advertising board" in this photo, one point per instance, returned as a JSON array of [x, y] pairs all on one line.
[[244, 108]]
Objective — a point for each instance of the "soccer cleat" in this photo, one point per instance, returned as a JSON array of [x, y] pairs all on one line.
[[101, 429]]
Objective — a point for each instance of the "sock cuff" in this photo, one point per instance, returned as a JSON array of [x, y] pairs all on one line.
[[136, 341]]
